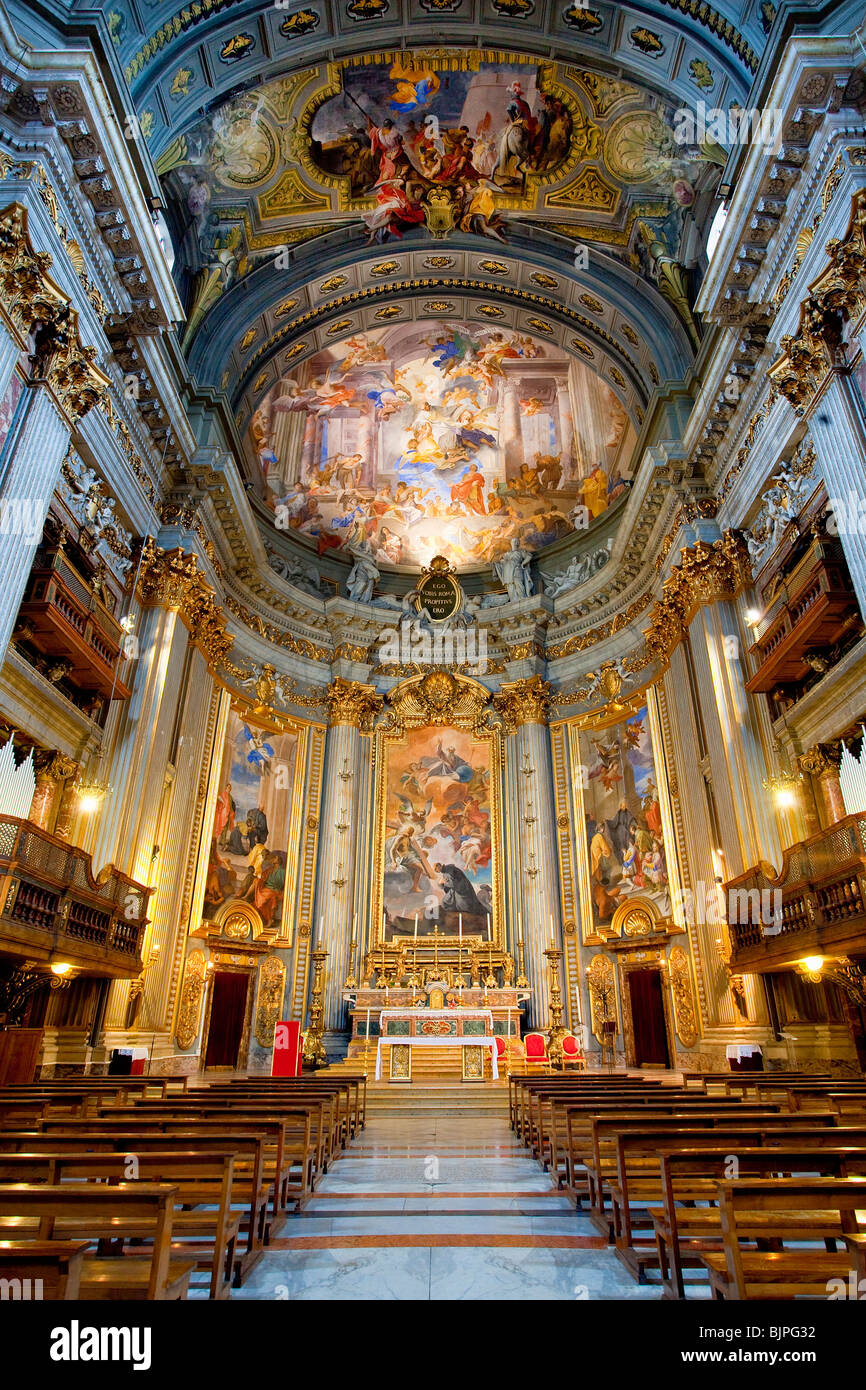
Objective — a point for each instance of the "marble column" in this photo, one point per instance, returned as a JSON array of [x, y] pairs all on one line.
[[512, 435], [29, 478], [308, 449], [52, 770], [821, 764], [566, 431], [9, 354], [287, 433], [838, 431], [524, 705], [352, 706]]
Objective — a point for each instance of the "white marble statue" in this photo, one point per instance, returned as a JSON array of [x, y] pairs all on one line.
[[364, 575], [512, 569]]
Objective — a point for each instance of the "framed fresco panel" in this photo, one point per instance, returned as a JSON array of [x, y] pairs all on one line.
[[438, 794], [625, 845], [251, 846]]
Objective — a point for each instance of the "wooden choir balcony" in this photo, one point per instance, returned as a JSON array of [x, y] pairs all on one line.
[[809, 609], [822, 884], [51, 906], [68, 622]]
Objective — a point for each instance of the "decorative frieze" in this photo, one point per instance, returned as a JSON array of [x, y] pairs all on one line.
[[705, 574]]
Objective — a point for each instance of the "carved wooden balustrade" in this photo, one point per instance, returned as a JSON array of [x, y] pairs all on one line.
[[65, 620], [51, 906], [816, 905]]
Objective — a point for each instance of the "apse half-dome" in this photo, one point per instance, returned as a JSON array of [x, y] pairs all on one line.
[[439, 438]]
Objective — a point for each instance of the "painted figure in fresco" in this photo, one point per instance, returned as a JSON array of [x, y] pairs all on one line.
[[458, 894], [469, 491], [512, 569], [224, 816], [259, 751], [386, 142], [399, 207], [595, 491], [406, 853]]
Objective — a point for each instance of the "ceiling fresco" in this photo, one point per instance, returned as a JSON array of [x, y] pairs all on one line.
[[431, 146], [437, 437]]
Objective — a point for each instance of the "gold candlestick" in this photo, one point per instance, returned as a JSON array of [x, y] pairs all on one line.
[[521, 982], [314, 1048], [556, 1032]]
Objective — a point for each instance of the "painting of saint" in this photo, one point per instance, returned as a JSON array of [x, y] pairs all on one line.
[[439, 437], [625, 841], [250, 829], [437, 849]]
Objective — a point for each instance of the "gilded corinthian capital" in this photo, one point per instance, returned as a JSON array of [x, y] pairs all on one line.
[[350, 702], [705, 574], [523, 702], [172, 579]]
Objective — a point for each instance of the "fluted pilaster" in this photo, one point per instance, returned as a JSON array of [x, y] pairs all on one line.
[[29, 478], [344, 808]]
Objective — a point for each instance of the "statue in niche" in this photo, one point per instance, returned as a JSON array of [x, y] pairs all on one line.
[[512, 570]]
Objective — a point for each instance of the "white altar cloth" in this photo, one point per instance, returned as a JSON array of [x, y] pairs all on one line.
[[436, 1042]]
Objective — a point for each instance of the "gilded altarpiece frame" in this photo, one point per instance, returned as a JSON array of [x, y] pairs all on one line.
[[440, 701]]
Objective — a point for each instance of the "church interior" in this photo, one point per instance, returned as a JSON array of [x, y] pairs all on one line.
[[432, 719]]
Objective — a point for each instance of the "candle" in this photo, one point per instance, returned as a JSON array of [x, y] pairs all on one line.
[[519, 931], [367, 1039], [552, 937], [416, 926], [489, 938], [460, 925], [322, 932]]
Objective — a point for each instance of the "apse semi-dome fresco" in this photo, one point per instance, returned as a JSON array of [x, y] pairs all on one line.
[[441, 438]]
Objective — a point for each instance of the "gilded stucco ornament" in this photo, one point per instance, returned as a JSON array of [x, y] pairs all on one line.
[[272, 979], [835, 298], [36, 306], [685, 1016], [192, 991]]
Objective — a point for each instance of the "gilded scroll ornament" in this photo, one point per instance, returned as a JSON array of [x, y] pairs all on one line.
[[189, 1010], [685, 1018], [272, 979]]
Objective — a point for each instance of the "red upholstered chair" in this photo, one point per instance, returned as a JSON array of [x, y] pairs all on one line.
[[571, 1053], [536, 1050]]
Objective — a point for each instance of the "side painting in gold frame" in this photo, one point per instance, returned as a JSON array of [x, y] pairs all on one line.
[[252, 848], [438, 769], [626, 847]]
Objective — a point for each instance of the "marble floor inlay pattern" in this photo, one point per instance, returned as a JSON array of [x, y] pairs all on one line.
[[435, 1204]]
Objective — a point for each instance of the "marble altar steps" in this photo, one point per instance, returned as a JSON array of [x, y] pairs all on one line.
[[428, 1064], [489, 1100]]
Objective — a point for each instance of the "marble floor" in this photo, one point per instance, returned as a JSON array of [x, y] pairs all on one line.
[[438, 1201]]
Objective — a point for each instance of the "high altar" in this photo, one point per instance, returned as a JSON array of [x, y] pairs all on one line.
[[464, 1030]]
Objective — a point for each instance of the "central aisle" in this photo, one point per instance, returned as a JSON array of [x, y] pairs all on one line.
[[437, 1199]]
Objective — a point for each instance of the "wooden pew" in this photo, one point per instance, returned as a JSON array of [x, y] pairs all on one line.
[[288, 1146], [205, 1226], [689, 1176], [95, 1211], [747, 1209], [54, 1266], [622, 1163], [251, 1190], [579, 1133]]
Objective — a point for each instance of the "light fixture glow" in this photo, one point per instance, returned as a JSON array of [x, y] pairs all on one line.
[[814, 964], [60, 967], [753, 617]]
